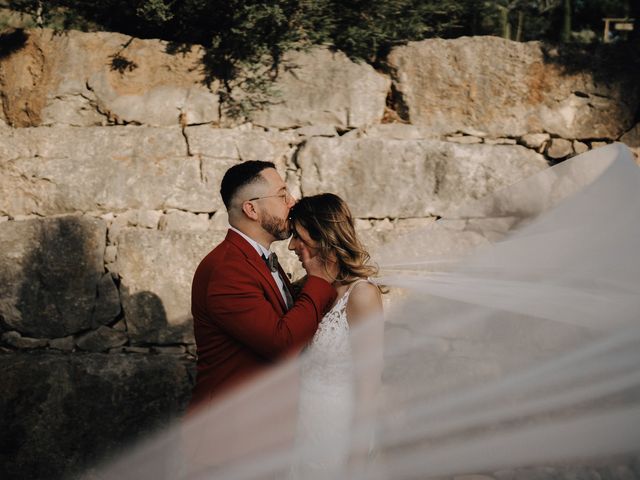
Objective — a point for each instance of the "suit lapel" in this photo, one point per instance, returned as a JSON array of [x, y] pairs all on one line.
[[258, 263], [285, 279]]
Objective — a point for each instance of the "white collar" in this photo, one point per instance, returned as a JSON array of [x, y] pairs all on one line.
[[259, 248]]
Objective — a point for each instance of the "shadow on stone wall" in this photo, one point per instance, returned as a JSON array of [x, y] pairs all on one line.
[[63, 413], [605, 61], [63, 409], [608, 63], [147, 322], [12, 41], [61, 274]]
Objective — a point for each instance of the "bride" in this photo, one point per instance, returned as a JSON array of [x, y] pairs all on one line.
[[330, 396]]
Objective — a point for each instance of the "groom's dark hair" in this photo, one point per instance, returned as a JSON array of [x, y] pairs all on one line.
[[240, 175]]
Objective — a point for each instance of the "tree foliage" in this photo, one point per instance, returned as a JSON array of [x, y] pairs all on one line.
[[248, 37], [245, 30]]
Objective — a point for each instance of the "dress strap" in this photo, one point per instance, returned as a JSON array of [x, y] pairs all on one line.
[[360, 280]]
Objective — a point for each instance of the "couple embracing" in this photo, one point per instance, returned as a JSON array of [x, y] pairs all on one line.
[[248, 315]]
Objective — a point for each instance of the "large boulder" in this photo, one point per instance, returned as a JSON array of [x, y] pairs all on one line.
[[82, 79], [425, 178], [58, 170], [51, 276], [66, 169], [241, 144], [321, 87], [156, 268], [506, 88], [219, 148], [63, 413]]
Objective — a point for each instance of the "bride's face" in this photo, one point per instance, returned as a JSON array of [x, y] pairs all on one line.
[[301, 240]]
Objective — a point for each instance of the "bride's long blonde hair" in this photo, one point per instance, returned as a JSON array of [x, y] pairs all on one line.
[[329, 222]]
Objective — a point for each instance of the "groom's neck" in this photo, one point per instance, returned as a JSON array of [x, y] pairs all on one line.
[[255, 232]]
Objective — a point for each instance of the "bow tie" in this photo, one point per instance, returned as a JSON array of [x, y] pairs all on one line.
[[271, 261]]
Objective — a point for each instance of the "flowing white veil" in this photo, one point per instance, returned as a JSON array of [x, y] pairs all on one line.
[[512, 339]]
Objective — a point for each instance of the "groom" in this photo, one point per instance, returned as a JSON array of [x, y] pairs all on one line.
[[243, 312]]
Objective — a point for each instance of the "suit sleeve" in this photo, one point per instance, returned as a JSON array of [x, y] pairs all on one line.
[[239, 306]]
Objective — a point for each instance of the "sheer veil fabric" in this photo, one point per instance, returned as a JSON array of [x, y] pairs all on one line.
[[511, 338]]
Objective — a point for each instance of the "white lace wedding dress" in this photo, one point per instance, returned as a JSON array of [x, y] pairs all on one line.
[[326, 403]]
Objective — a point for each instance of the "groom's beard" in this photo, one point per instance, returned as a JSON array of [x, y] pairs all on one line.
[[277, 227]]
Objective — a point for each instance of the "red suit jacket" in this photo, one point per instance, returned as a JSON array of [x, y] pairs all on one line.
[[240, 319]]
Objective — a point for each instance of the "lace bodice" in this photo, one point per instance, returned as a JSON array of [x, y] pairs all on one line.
[[326, 397], [328, 355]]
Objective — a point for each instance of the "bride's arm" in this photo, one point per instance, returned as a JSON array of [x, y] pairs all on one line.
[[364, 314]]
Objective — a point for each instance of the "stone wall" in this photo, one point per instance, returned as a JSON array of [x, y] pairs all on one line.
[[111, 154]]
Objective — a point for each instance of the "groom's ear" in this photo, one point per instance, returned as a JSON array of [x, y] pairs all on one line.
[[249, 209]]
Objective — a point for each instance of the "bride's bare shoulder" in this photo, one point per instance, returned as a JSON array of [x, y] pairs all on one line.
[[364, 300]]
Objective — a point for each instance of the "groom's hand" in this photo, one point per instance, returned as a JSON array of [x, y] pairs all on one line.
[[315, 266]]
